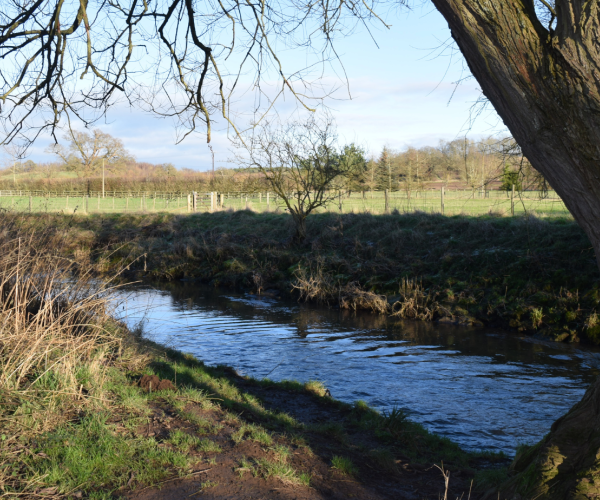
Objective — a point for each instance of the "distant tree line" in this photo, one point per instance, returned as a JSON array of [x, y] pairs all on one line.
[[489, 163]]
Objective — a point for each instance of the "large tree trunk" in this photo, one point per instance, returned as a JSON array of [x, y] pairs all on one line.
[[544, 85]]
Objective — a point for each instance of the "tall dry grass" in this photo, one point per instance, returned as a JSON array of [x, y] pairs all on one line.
[[315, 285], [414, 302], [57, 340]]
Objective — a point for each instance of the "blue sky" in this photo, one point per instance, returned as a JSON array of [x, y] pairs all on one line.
[[403, 93]]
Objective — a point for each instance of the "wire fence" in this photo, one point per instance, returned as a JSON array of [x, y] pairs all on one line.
[[443, 200]]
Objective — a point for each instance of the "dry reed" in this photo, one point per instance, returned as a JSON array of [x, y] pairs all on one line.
[[415, 302], [57, 341], [315, 285]]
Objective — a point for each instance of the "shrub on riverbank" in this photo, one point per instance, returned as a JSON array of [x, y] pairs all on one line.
[[530, 274]]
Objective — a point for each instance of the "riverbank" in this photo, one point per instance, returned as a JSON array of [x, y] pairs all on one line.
[[534, 275], [211, 432], [91, 409]]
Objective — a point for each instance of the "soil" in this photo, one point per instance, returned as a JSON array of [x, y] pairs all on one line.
[[151, 383], [222, 475]]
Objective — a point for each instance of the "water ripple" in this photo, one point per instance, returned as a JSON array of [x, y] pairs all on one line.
[[483, 389]]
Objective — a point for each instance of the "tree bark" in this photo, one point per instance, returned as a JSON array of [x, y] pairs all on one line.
[[545, 86], [300, 222]]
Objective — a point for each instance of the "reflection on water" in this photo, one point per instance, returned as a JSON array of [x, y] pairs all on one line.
[[481, 388]]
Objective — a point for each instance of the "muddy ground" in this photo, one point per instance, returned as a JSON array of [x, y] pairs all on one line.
[[241, 470]]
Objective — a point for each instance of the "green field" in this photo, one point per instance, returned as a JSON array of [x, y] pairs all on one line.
[[455, 202]]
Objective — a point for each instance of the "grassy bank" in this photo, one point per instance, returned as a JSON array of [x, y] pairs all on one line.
[[91, 410], [533, 275]]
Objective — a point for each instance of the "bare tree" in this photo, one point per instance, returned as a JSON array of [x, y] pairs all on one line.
[[47, 170], [16, 151], [87, 151], [300, 162]]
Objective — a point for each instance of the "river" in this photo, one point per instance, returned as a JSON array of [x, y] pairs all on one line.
[[483, 388]]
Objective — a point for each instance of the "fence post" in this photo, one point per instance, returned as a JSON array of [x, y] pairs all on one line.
[[84, 204], [212, 201], [268, 202], [260, 197], [29, 203], [442, 191], [512, 201], [246, 202], [194, 201], [189, 203], [387, 202]]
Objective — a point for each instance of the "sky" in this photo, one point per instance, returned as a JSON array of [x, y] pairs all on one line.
[[403, 91]]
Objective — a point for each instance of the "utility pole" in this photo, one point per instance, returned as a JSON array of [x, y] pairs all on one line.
[[409, 183], [465, 155], [213, 160], [417, 171], [483, 173]]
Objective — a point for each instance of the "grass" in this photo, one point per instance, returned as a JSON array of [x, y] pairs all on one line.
[[280, 469], [208, 446], [174, 199], [534, 275], [490, 478], [394, 420], [184, 441], [252, 433], [335, 430], [245, 465], [73, 419], [384, 457], [344, 466], [87, 453], [208, 484], [278, 466]]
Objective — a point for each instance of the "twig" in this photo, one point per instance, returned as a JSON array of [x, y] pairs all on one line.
[[175, 478]]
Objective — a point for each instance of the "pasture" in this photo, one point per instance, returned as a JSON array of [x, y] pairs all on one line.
[[451, 202]]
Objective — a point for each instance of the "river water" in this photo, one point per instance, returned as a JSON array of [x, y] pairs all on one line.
[[482, 388]]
